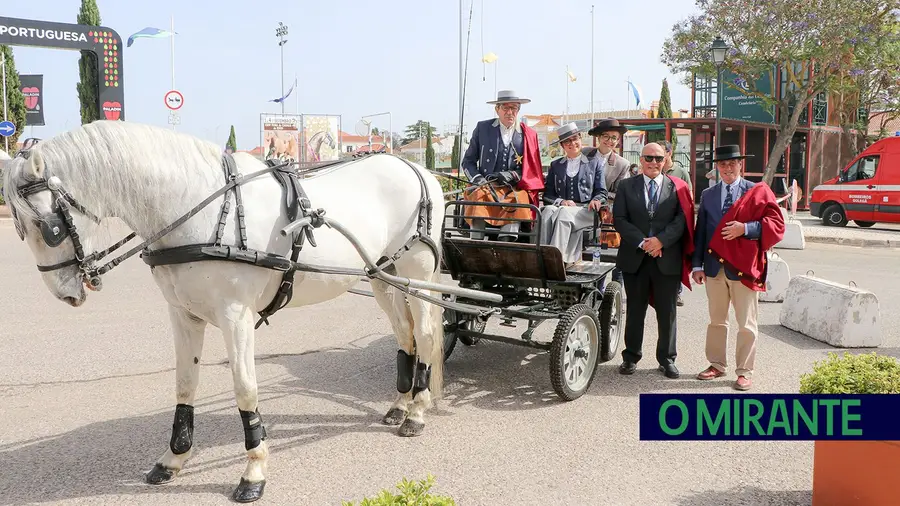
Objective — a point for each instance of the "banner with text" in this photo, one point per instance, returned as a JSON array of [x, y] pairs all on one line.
[[33, 89]]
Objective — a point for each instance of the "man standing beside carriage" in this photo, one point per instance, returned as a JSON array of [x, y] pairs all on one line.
[[503, 162]]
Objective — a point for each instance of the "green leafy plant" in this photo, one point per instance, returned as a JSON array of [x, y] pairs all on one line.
[[853, 374], [412, 493]]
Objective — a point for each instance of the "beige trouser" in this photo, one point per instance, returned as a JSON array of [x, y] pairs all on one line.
[[721, 293]]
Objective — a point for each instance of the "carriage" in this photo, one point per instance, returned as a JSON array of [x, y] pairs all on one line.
[[536, 286]]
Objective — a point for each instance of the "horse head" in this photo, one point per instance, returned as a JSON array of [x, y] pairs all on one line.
[[45, 215]]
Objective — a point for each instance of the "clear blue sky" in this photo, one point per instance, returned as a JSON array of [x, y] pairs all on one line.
[[355, 58]]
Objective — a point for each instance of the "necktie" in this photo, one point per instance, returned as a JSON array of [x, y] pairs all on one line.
[[729, 199], [651, 206]]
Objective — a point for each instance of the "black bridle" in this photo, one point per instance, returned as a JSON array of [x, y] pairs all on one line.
[[58, 225]]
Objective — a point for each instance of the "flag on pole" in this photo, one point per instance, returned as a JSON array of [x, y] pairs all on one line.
[[489, 58], [282, 99], [150, 32], [571, 75], [636, 91]]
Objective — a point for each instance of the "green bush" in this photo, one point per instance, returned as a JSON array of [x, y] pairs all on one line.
[[853, 374], [412, 493]]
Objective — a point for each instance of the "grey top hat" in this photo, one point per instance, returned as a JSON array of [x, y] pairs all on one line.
[[566, 131], [507, 96]]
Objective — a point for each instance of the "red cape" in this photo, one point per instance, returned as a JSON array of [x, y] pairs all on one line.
[[686, 201], [687, 240], [532, 170], [747, 257]]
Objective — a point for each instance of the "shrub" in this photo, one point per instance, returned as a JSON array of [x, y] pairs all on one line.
[[853, 374], [412, 493]]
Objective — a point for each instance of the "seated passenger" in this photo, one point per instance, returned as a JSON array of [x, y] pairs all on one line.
[[572, 181]]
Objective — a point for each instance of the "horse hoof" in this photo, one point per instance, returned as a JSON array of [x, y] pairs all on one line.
[[394, 417], [159, 475], [411, 428], [248, 492]]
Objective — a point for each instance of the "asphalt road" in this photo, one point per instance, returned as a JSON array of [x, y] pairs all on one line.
[[88, 402]]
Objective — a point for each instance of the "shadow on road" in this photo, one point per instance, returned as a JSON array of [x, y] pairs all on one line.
[[794, 339], [748, 495]]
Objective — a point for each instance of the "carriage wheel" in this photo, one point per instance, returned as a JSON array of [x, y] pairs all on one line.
[[472, 324], [611, 321], [450, 322], [574, 352]]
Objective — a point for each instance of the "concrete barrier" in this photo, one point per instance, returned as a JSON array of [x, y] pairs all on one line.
[[840, 315], [793, 236], [777, 279]]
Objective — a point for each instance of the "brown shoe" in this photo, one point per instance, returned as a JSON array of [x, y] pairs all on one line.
[[742, 383], [710, 373]]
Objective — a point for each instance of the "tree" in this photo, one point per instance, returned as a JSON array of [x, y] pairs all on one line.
[[15, 100], [420, 130], [429, 148], [872, 85], [664, 111], [89, 85], [454, 155], [811, 44], [232, 141]]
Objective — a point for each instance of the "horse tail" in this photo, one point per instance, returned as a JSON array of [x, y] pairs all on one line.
[[437, 341]]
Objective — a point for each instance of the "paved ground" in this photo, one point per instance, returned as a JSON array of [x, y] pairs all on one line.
[[88, 400]]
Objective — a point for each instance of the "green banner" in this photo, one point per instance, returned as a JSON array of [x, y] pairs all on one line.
[[737, 105]]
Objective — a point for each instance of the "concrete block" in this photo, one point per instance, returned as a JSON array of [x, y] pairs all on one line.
[[793, 236], [840, 315], [777, 279]]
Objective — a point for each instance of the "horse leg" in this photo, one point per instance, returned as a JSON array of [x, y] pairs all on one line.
[[188, 333], [428, 330], [237, 327], [393, 303]]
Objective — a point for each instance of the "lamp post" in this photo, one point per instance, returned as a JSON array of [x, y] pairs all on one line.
[[718, 50], [383, 137], [281, 32]]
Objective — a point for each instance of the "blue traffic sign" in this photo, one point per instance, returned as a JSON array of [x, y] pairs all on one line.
[[7, 128]]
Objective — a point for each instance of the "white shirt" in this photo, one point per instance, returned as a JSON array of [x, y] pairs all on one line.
[[659, 182], [506, 133], [572, 166]]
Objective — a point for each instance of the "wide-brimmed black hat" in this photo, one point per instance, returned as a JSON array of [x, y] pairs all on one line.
[[509, 96], [608, 125], [728, 152], [567, 131]]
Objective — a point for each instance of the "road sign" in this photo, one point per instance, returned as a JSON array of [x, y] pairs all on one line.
[[174, 100], [7, 128]]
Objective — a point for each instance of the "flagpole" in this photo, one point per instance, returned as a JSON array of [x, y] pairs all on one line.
[[172, 48], [592, 66], [297, 96], [567, 94], [3, 66]]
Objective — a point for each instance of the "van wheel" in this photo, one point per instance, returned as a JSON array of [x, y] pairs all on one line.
[[864, 224], [834, 216]]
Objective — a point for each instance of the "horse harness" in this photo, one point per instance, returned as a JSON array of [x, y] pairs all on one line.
[[59, 225]]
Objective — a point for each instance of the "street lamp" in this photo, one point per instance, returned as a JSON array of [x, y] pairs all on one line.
[[281, 32], [718, 50]]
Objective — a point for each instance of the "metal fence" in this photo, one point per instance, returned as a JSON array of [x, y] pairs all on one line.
[[634, 157]]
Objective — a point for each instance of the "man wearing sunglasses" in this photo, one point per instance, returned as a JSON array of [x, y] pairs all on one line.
[[654, 213], [503, 161]]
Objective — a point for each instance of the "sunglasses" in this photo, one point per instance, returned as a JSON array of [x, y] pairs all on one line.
[[652, 158]]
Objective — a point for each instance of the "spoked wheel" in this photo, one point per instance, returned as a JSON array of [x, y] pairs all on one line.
[[454, 321], [574, 352], [611, 321]]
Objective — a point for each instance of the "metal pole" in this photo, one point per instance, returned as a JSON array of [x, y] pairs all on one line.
[[3, 66], [172, 50], [592, 67], [282, 78], [718, 111]]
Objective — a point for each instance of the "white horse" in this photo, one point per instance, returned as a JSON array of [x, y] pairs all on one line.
[[149, 177]]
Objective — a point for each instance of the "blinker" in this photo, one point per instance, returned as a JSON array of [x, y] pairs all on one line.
[[53, 230]]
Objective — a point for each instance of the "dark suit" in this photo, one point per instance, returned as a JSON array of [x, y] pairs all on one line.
[[588, 184], [644, 274], [487, 154]]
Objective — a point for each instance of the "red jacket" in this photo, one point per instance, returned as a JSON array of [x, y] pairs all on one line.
[[687, 240], [532, 170], [747, 257]]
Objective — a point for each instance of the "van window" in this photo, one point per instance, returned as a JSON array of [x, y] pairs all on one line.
[[864, 168]]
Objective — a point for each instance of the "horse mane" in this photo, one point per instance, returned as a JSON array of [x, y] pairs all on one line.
[[113, 167]]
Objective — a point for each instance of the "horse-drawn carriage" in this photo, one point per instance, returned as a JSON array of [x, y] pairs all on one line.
[[536, 286]]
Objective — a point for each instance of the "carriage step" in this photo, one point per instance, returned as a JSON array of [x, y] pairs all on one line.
[[508, 322], [586, 267]]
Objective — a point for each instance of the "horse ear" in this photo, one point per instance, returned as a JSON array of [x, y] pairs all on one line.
[[37, 164]]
